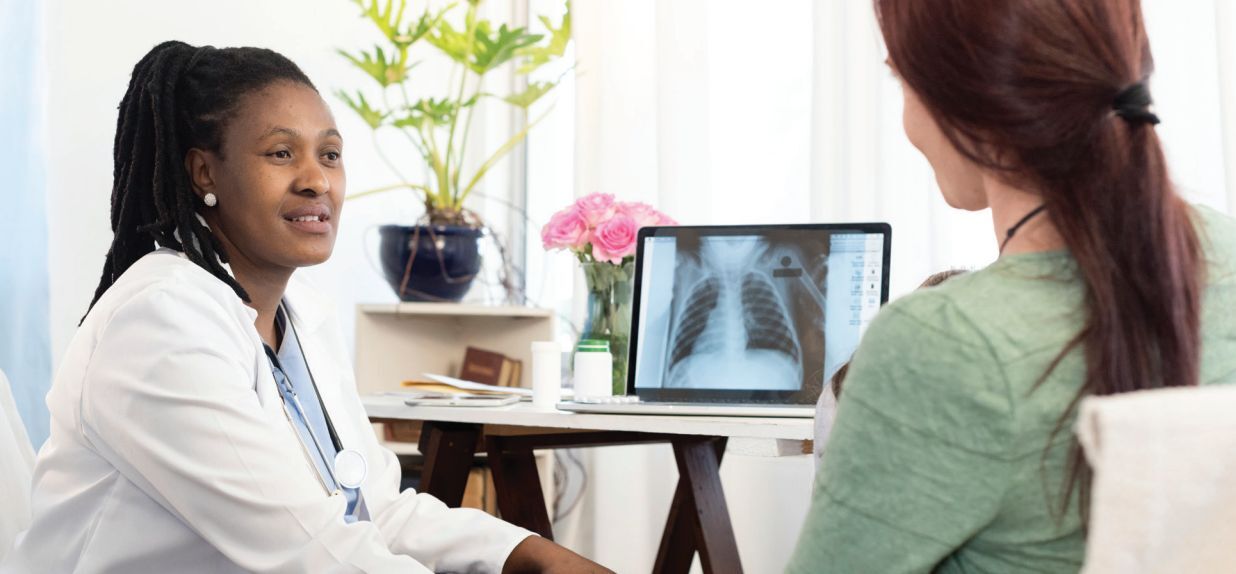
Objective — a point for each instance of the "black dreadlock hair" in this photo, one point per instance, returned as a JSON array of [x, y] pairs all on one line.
[[179, 97]]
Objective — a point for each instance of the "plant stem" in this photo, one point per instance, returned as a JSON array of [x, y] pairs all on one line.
[[450, 139], [420, 146], [463, 147], [440, 171], [470, 31], [499, 154], [387, 188]]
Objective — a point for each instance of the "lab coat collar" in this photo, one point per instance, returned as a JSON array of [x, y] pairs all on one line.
[[306, 306]]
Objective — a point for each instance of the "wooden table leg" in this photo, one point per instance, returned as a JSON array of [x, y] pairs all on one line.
[[517, 485], [678, 541], [448, 449], [698, 518]]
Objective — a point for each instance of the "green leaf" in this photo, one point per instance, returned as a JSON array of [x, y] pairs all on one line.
[[372, 116], [531, 95], [428, 113], [386, 71], [494, 48], [479, 46], [559, 38], [421, 27], [451, 42], [384, 17]]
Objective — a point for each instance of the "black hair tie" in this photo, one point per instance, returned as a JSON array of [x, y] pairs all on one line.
[[1133, 104]]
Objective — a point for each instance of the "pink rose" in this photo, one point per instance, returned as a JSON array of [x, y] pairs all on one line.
[[666, 220], [596, 208], [565, 230], [614, 239], [643, 214]]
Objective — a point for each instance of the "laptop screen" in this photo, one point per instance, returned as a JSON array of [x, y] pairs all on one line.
[[752, 313]]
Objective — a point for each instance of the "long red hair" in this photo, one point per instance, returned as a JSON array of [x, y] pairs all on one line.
[[1026, 89]]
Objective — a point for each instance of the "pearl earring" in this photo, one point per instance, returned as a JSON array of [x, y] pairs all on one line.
[[210, 200]]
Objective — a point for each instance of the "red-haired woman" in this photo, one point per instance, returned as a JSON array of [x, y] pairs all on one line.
[[954, 450]]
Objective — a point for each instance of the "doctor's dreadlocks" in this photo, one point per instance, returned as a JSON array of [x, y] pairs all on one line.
[[179, 97]]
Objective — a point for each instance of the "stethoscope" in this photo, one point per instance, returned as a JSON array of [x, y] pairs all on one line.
[[349, 469]]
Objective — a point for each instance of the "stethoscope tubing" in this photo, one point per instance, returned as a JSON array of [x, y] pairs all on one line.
[[300, 410]]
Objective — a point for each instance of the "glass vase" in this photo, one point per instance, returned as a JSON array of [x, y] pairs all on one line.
[[610, 288]]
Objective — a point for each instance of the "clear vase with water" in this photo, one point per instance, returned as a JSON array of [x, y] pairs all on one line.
[[610, 288]]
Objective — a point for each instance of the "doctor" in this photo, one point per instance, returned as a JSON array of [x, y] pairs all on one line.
[[205, 418]]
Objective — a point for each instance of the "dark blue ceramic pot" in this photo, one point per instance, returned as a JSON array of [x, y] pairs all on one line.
[[444, 260]]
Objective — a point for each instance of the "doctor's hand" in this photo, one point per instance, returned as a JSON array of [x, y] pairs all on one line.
[[536, 554]]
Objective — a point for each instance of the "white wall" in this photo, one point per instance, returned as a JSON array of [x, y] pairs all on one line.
[[91, 49]]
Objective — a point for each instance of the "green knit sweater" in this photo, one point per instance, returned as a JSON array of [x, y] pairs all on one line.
[[938, 459]]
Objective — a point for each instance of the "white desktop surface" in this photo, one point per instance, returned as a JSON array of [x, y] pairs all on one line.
[[526, 415]]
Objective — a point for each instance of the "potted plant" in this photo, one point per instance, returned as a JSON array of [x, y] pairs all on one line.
[[437, 258]]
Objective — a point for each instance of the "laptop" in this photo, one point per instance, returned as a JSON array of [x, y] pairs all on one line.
[[749, 320]]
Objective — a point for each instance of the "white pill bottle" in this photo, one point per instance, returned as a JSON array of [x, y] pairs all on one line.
[[594, 369]]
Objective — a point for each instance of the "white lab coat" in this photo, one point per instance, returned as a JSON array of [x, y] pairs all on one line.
[[170, 450]]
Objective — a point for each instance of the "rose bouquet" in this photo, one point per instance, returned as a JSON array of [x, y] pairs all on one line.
[[601, 232]]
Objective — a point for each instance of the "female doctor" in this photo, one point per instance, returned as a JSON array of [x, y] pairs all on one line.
[[205, 418]]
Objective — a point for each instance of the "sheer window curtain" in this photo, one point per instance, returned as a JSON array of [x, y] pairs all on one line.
[[25, 354], [782, 111]]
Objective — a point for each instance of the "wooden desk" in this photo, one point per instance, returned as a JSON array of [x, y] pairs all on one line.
[[698, 519]]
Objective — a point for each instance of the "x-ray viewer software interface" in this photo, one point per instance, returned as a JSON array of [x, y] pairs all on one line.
[[776, 310]]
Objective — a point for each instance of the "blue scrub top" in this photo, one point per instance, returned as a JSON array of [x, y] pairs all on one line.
[[292, 367]]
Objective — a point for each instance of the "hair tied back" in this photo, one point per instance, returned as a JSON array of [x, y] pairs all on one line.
[[1133, 104]]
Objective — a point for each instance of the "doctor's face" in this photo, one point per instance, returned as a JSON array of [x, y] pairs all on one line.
[[278, 179]]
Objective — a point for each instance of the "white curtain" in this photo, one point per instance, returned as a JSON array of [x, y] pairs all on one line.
[[25, 348], [783, 111]]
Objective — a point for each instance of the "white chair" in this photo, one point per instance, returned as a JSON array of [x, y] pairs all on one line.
[[1163, 497], [16, 468]]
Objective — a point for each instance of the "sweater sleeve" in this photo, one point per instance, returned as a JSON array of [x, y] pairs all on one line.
[[917, 462]]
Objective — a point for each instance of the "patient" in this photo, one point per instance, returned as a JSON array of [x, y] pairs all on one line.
[[955, 451], [826, 407]]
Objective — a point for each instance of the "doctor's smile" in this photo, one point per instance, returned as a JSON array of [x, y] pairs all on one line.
[[314, 219]]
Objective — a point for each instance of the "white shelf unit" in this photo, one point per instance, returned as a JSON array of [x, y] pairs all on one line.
[[398, 342]]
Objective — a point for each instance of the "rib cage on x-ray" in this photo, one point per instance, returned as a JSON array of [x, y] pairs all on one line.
[[733, 322]]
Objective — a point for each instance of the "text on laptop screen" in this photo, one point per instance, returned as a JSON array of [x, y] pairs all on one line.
[[775, 310]]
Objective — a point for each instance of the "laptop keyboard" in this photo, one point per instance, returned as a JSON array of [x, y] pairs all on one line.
[[619, 400], [633, 399]]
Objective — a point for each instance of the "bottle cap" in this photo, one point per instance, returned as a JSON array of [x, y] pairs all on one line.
[[592, 346]]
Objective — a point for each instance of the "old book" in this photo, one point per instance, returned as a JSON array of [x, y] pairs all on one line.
[[490, 368], [516, 371], [482, 366]]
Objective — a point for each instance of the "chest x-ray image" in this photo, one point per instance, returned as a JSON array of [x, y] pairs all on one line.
[[744, 312]]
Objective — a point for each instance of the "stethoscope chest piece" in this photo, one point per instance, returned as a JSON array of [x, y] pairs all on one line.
[[350, 468]]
